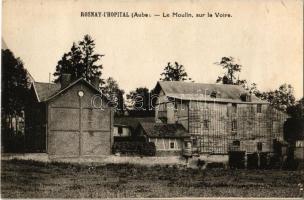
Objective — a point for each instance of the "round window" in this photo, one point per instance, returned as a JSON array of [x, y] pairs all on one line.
[[80, 93]]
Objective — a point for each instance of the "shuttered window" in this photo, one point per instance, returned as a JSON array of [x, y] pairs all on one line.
[[234, 108], [119, 130], [259, 108], [234, 125], [259, 146], [172, 145]]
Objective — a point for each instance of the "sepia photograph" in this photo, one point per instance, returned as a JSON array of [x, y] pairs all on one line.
[[185, 99]]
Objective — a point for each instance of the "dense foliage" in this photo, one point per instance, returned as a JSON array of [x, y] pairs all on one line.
[[232, 68], [15, 83], [14, 89], [114, 94], [281, 98], [135, 148], [174, 72], [15, 96], [80, 62], [139, 99]]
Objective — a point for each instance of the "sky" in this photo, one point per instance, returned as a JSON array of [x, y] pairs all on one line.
[[265, 37]]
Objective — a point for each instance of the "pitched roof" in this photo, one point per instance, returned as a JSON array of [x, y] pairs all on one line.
[[132, 121], [45, 90], [48, 91], [201, 91], [160, 130]]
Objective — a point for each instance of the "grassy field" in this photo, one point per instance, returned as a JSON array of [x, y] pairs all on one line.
[[31, 179]]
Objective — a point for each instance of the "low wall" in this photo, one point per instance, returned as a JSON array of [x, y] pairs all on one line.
[[299, 153], [112, 159], [168, 153]]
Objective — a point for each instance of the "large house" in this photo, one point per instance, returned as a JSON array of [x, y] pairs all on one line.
[[219, 118], [68, 120]]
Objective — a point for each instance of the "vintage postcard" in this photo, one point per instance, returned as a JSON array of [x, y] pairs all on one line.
[[152, 99]]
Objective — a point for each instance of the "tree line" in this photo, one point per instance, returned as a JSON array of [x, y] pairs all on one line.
[[81, 61]]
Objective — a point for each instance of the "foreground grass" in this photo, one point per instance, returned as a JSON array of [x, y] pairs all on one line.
[[30, 179]]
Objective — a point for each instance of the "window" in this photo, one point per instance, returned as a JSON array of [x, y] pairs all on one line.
[[206, 124], [195, 142], [80, 93], [162, 112], [236, 143], [234, 108], [213, 94], [246, 97], [172, 145], [259, 108], [120, 130], [187, 144], [259, 146], [251, 108], [234, 125], [300, 143]]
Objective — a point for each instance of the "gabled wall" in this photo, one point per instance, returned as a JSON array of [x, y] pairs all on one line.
[[76, 128]]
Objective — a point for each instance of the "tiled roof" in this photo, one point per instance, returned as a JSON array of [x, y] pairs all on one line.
[[202, 91], [45, 90], [160, 130], [132, 121]]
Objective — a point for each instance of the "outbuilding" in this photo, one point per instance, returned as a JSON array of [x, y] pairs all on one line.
[[68, 119], [169, 139]]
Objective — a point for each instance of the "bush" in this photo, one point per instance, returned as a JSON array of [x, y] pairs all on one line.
[[215, 165], [200, 163], [252, 161], [275, 162], [135, 148], [148, 149], [13, 143], [130, 139], [237, 159], [264, 160], [290, 164]]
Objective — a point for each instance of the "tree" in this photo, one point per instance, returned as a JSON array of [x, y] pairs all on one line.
[[252, 89], [294, 126], [174, 73], [14, 88], [114, 94], [139, 99], [281, 98], [80, 62], [232, 69], [71, 63], [297, 111]]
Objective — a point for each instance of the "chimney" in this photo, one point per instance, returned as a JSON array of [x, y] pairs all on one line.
[[95, 82], [65, 80]]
